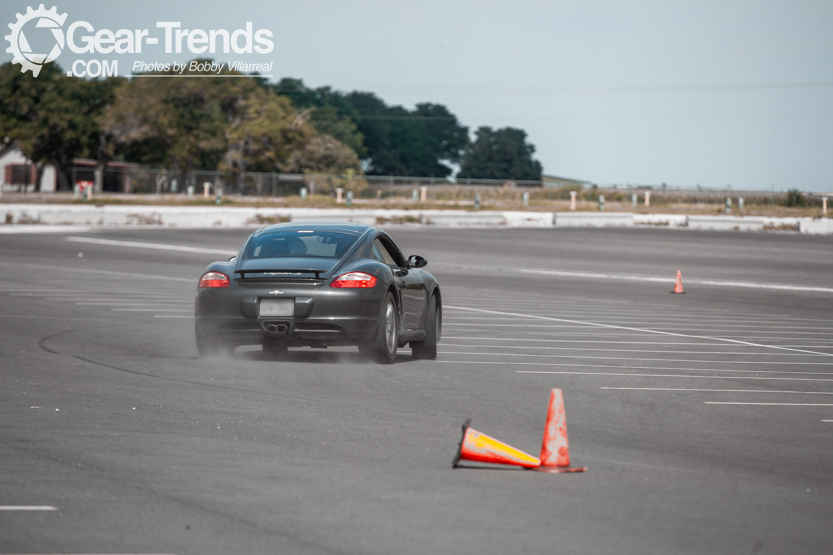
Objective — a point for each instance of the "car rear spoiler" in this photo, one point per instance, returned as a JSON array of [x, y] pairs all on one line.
[[307, 273]]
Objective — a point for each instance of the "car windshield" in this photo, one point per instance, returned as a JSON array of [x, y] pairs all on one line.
[[301, 243]]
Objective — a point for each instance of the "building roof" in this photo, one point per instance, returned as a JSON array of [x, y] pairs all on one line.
[[548, 179]]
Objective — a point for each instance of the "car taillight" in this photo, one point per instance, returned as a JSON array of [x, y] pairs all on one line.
[[354, 280], [214, 279]]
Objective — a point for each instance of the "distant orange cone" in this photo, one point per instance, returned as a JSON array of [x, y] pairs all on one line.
[[478, 447], [678, 287], [555, 451]]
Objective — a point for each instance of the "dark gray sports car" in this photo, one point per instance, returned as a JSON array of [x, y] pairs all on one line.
[[317, 285]]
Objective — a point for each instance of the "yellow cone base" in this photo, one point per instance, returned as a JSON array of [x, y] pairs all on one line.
[[478, 447]]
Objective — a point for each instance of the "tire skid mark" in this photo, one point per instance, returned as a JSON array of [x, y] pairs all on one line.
[[42, 345]]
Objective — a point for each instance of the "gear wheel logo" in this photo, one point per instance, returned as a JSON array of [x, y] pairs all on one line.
[[19, 46]]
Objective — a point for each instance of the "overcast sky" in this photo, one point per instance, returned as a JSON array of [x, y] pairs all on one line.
[[611, 91]]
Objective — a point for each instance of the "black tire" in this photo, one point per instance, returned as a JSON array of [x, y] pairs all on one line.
[[382, 349], [211, 347], [427, 348]]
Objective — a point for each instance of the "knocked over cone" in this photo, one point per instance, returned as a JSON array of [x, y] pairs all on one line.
[[478, 447]]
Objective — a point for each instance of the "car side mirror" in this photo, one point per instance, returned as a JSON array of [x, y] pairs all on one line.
[[416, 261], [232, 258]]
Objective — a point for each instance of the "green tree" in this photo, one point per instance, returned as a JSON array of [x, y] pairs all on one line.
[[324, 154], [390, 139], [327, 121], [264, 134], [235, 125], [422, 142], [181, 122], [500, 154], [331, 113], [53, 118], [794, 198]]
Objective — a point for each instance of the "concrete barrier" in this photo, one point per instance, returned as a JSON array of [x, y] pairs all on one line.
[[462, 218], [365, 217], [725, 223], [670, 220], [594, 219], [234, 217], [221, 216], [529, 219], [823, 226]]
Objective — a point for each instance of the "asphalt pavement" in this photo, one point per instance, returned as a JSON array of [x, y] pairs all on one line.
[[705, 419]]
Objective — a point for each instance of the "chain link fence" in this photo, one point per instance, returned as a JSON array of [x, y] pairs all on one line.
[[134, 179], [166, 181]]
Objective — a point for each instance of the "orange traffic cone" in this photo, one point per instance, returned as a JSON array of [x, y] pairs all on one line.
[[678, 287], [555, 451], [478, 447]]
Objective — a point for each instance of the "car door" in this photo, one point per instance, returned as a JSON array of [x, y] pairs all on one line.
[[408, 281]]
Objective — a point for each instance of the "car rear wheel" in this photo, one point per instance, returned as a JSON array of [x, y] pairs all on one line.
[[427, 348], [382, 348]]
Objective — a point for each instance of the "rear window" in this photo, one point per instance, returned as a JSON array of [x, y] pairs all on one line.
[[317, 244]]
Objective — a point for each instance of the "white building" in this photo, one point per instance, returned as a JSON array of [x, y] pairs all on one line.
[[18, 173]]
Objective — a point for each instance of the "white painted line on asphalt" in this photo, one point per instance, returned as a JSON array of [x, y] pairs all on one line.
[[52, 294], [595, 349], [145, 303], [51, 317], [735, 330], [98, 298], [826, 343], [664, 312], [769, 404], [590, 308], [28, 508], [658, 321], [717, 390], [696, 281], [674, 376], [749, 374], [153, 310], [602, 307], [610, 326], [748, 330], [791, 363], [103, 294], [827, 420], [69, 270], [651, 279], [143, 245], [129, 300], [608, 342], [171, 316], [669, 324]]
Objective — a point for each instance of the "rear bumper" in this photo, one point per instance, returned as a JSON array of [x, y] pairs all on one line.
[[320, 317], [309, 331]]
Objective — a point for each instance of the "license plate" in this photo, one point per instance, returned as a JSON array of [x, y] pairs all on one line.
[[277, 307]]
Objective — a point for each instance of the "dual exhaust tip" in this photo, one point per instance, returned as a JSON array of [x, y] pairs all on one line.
[[277, 328]]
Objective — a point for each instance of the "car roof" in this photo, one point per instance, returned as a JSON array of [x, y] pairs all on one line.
[[344, 227]]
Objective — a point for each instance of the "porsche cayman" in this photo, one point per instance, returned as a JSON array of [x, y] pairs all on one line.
[[319, 285]]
